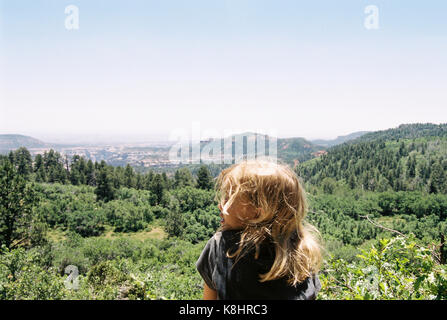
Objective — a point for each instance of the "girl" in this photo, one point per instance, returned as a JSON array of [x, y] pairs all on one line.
[[262, 249]]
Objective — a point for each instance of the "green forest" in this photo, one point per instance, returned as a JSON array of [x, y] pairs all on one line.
[[71, 228]]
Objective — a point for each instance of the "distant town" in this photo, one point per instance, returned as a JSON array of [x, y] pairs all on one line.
[[135, 155], [163, 154]]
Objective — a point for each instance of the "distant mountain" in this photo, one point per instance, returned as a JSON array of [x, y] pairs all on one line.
[[14, 141], [409, 157], [405, 131], [296, 150], [339, 139], [289, 150]]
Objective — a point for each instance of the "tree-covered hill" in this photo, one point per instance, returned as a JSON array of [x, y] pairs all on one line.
[[289, 150], [410, 157], [405, 131], [295, 150], [15, 141]]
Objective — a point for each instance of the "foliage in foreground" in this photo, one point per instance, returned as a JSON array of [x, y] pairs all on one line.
[[396, 268], [108, 269]]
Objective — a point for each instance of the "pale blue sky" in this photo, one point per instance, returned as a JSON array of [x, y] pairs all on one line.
[[298, 68]]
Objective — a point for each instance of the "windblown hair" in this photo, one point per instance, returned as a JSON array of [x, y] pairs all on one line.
[[273, 191]]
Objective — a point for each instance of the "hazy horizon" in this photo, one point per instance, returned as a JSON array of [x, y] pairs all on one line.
[[147, 68], [92, 139]]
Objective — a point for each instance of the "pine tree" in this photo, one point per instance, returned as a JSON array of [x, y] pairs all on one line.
[[183, 178], [204, 178], [82, 171], [148, 177], [54, 167], [139, 183], [411, 166], [104, 190], [39, 169], [352, 182], [402, 149], [17, 200], [166, 180], [75, 175], [23, 161], [90, 174], [129, 178], [119, 178], [438, 179], [158, 187], [175, 218]]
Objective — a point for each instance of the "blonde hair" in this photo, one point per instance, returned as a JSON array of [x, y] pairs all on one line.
[[275, 193]]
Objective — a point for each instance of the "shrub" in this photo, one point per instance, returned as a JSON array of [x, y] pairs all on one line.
[[392, 269]]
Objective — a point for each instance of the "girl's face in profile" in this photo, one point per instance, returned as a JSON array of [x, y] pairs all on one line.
[[238, 212]]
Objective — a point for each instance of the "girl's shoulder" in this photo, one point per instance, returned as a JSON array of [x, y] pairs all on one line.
[[228, 241], [229, 234], [226, 238]]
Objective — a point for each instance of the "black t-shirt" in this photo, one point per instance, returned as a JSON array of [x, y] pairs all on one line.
[[240, 280]]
